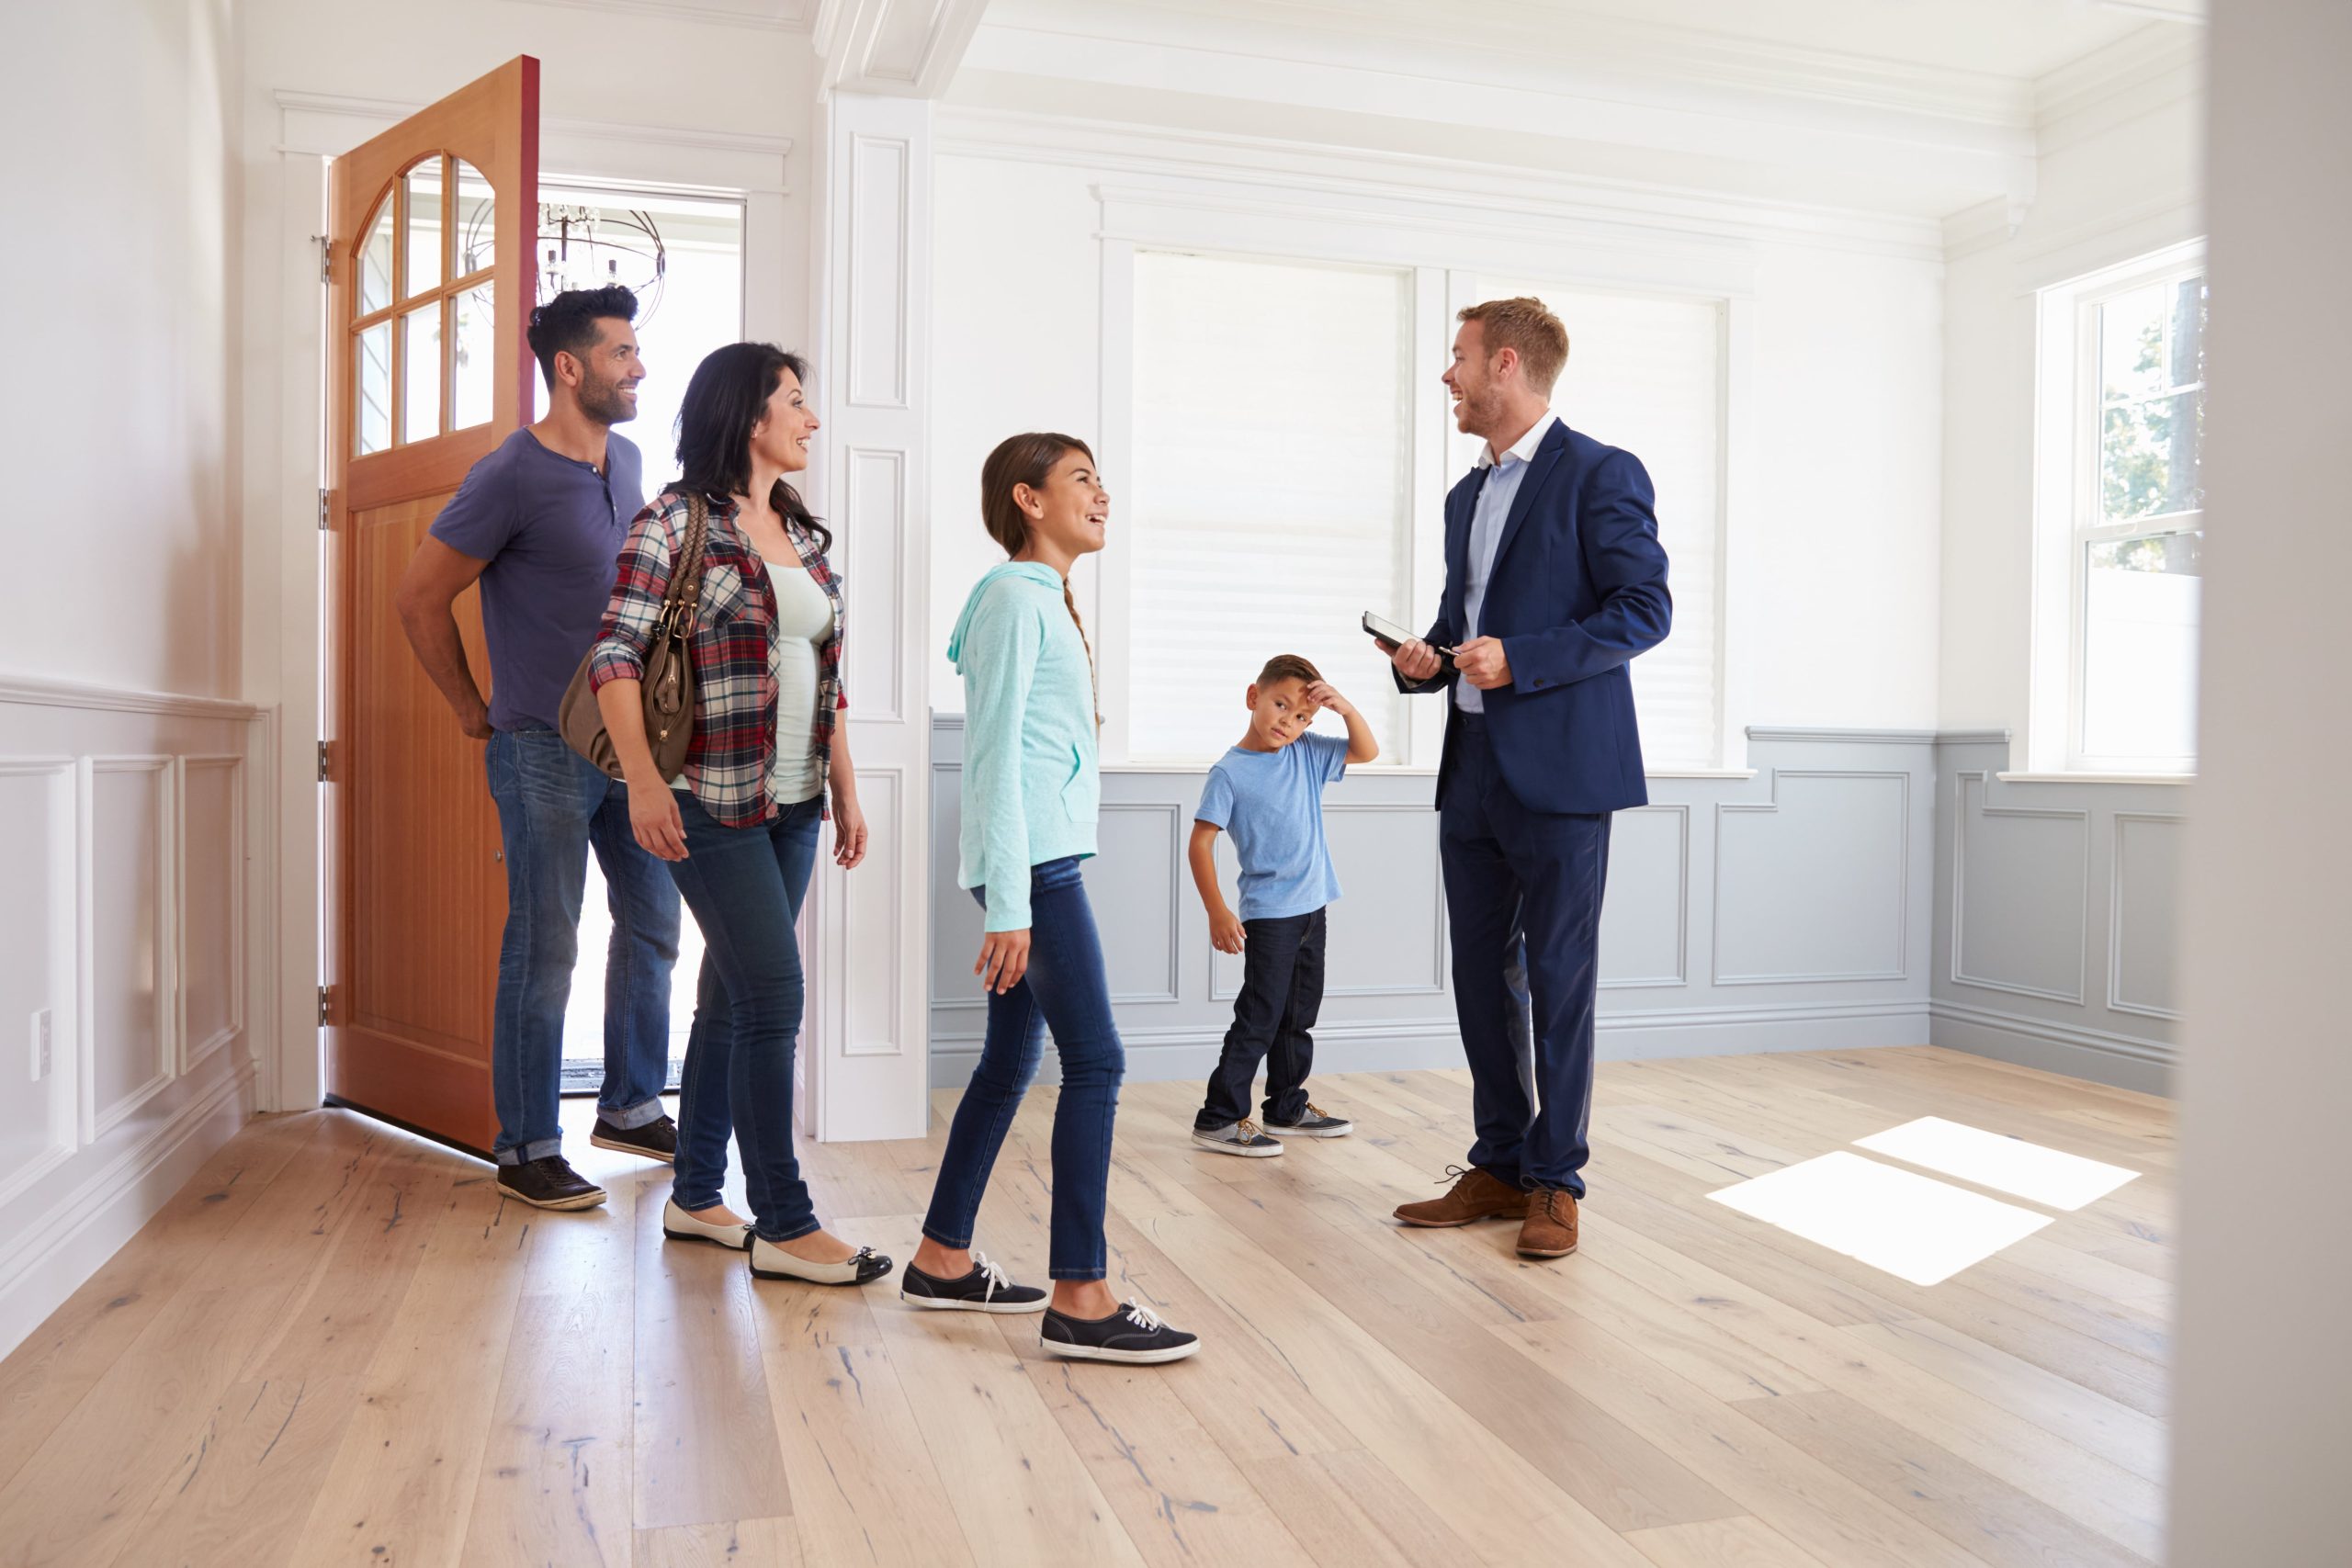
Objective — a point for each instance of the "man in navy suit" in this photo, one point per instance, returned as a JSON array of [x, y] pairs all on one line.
[[1553, 581]]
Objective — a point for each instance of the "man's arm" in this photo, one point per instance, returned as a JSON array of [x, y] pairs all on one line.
[[1627, 566], [435, 576]]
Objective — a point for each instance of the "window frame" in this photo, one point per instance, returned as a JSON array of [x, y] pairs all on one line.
[[1439, 455], [2069, 483]]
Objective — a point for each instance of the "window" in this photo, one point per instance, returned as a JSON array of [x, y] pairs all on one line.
[[1271, 497], [2138, 523], [1645, 374]]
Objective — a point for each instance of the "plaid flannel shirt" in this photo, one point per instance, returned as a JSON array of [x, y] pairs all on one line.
[[733, 753]]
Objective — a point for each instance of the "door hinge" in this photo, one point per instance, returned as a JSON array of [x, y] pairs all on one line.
[[326, 1005], [322, 762], [324, 508], [327, 257]]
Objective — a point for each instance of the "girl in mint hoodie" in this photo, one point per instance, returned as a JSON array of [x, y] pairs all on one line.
[[1031, 791]]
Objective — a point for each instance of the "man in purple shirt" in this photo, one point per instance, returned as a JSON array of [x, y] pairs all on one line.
[[539, 525]]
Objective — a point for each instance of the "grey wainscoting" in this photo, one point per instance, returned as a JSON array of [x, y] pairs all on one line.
[[2055, 905], [1790, 910]]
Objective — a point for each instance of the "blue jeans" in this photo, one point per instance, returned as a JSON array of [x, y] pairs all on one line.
[[1522, 899], [554, 805], [1066, 990], [745, 886]]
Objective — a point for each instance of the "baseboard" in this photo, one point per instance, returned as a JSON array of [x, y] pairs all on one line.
[[1406, 1045], [2119, 1061], [54, 1257]]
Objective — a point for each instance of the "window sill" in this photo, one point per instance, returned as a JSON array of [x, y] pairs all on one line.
[[2089, 778]]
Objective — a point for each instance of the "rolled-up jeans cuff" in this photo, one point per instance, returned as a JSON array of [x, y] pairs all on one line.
[[524, 1153], [636, 1116]]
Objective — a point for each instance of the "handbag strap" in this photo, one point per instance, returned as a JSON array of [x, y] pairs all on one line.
[[684, 593]]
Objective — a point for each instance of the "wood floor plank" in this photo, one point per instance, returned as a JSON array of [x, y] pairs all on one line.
[[1994, 1521], [62, 1359], [403, 1477], [555, 1480], [867, 1491], [241, 1492], [741, 1543], [1349, 1510], [1742, 1542]]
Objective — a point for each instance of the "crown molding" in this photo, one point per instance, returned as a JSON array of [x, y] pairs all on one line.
[[2158, 64], [1260, 170], [898, 48], [768, 15]]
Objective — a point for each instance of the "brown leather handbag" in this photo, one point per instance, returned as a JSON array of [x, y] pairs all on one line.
[[668, 685]]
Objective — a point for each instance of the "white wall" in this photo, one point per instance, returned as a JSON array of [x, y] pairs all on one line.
[[2263, 1412], [1832, 594], [2115, 182], [126, 798]]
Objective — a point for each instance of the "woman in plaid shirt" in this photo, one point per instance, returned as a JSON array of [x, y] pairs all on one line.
[[739, 827]]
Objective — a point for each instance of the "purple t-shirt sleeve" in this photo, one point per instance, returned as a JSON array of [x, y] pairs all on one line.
[[482, 516], [1216, 800]]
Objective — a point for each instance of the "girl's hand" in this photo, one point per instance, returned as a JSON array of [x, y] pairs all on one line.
[[1004, 958], [653, 817], [849, 831]]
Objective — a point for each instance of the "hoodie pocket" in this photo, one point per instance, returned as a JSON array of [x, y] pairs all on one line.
[[1082, 792]]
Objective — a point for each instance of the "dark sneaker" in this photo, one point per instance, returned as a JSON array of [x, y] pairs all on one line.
[[549, 1183], [1240, 1137], [1133, 1334], [658, 1139], [988, 1288], [1314, 1125]]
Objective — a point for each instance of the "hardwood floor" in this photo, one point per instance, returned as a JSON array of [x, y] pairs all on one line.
[[338, 1345]]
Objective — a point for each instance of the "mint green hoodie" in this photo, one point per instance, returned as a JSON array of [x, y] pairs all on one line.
[[1031, 784]]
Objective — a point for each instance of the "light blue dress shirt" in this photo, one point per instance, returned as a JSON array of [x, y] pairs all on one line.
[[1486, 521]]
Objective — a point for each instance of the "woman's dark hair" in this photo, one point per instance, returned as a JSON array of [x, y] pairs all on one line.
[[725, 398], [1029, 459]]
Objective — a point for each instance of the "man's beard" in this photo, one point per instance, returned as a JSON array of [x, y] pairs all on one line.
[[1480, 409], [604, 402]]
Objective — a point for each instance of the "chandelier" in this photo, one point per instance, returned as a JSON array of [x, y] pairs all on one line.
[[579, 246]]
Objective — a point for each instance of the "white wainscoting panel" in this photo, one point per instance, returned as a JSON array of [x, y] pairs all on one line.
[[124, 853]]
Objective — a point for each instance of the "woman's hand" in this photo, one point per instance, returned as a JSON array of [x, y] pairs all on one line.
[[1004, 958], [849, 830], [653, 817]]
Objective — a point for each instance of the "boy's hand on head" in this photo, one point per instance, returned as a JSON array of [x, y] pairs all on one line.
[[1323, 694], [1225, 932]]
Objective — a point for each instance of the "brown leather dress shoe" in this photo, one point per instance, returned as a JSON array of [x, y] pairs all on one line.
[[1550, 1228], [1477, 1195]]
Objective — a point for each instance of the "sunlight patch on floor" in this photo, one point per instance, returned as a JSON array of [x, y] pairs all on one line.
[[2039, 1175], [1912, 1226]]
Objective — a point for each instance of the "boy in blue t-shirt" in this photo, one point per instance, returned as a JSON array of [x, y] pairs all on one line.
[[1268, 792]]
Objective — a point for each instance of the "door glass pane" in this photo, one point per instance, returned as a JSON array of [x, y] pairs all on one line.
[[2149, 458], [421, 370], [376, 264], [477, 226], [423, 229], [371, 393], [2140, 615], [473, 359]]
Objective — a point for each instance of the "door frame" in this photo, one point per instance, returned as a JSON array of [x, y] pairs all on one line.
[[288, 611]]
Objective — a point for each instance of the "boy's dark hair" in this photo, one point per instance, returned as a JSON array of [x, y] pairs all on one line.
[[567, 324], [1288, 667]]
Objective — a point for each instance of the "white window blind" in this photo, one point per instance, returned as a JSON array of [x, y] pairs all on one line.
[[1271, 499], [1646, 374]]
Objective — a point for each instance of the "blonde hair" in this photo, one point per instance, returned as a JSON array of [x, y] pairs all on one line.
[[1528, 326]]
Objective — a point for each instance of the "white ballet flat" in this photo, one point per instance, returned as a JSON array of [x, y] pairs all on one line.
[[770, 1261], [678, 1225]]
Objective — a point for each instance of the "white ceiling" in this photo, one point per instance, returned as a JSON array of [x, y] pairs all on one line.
[[2015, 38]]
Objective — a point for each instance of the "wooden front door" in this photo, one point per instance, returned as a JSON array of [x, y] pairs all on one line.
[[431, 283]]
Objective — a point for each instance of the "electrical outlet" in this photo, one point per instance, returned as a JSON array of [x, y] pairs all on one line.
[[40, 1046]]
